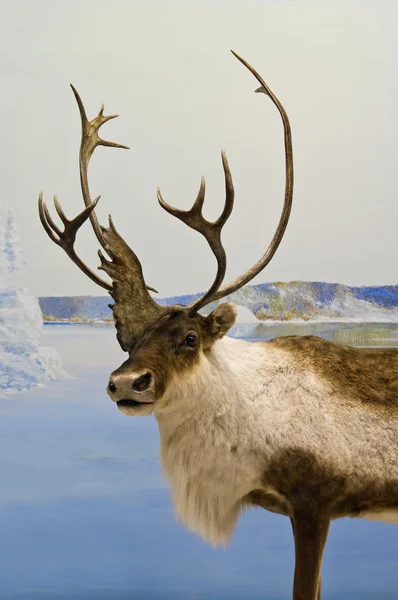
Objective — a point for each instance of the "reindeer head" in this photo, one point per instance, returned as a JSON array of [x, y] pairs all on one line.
[[162, 342], [170, 348]]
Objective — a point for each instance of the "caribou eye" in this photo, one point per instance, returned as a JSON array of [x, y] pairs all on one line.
[[191, 340]]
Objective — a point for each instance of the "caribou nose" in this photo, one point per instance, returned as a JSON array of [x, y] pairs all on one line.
[[112, 386], [142, 383]]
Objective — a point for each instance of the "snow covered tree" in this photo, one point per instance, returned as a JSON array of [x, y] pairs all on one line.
[[23, 362]]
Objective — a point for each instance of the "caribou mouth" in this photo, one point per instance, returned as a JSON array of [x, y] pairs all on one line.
[[130, 403]]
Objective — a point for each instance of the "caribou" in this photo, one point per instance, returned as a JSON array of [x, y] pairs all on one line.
[[297, 425]]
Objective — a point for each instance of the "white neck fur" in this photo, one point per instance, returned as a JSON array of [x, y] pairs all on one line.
[[207, 434]]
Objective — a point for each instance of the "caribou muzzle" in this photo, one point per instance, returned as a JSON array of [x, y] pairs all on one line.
[[133, 393]]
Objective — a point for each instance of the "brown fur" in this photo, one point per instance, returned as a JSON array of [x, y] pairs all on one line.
[[301, 480], [365, 375], [312, 494]]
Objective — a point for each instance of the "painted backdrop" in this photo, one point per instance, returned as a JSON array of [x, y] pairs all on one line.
[[84, 510]]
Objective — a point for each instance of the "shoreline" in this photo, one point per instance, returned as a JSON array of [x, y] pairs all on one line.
[[269, 323]]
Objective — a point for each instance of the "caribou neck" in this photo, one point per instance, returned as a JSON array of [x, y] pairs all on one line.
[[221, 384]]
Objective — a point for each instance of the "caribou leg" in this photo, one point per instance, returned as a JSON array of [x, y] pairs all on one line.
[[310, 534], [320, 578]]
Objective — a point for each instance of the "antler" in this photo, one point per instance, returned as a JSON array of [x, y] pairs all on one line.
[[133, 306], [287, 205], [210, 230], [89, 142]]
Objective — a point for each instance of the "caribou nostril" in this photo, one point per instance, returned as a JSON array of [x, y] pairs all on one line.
[[111, 387], [142, 382]]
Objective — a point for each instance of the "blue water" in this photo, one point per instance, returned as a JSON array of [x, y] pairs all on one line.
[[86, 514]]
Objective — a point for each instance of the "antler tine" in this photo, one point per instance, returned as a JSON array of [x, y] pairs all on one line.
[[276, 240], [229, 192], [187, 216], [210, 230], [66, 238]]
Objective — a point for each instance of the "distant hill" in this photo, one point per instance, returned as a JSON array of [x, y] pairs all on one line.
[[267, 301]]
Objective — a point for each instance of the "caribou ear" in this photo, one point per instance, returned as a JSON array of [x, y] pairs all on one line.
[[219, 322]]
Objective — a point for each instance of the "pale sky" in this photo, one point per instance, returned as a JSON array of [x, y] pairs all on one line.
[[166, 69]]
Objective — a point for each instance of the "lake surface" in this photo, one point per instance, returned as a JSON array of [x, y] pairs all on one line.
[[85, 512]]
